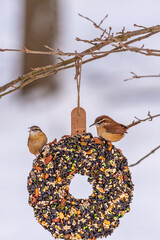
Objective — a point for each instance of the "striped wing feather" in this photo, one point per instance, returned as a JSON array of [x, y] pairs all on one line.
[[116, 128]]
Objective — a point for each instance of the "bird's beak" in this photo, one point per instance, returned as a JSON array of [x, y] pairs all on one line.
[[29, 129], [92, 125]]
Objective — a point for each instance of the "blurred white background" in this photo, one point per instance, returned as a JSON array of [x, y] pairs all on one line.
[[103, 91]]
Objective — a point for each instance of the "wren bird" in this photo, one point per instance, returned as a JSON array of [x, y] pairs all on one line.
[[37, 140], [109, 129]]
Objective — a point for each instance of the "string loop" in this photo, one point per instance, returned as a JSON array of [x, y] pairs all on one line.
[[78, 66]]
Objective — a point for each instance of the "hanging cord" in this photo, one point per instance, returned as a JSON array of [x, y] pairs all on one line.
[[78, 66]]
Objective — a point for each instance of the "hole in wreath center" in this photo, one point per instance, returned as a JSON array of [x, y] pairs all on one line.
[[80, 187]]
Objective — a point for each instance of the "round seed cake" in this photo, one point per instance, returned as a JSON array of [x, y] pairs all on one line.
[[48, 185]]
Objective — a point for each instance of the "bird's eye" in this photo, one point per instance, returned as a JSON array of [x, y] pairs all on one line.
[[34, 129]]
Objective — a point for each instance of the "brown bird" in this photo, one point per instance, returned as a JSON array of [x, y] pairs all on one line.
[[37, 140], [109, 129]]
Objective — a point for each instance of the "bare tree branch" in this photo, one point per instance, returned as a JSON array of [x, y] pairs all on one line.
[[118, 43], [149, 118], [141, 76], [134, 164], [103, 20]]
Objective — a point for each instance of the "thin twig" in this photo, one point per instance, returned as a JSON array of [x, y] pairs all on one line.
[[91, 54], [142, 76], [134, 164], [103, 20], [139, 26], [149, 118]]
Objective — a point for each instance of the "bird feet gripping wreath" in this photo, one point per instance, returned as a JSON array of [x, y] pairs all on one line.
[[55, 208]]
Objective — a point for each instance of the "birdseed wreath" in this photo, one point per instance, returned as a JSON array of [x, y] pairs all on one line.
[[48, 184]]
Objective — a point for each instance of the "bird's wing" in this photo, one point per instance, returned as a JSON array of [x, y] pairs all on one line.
[[116, 129]]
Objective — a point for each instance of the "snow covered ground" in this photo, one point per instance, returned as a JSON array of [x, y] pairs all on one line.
[[103, 91]]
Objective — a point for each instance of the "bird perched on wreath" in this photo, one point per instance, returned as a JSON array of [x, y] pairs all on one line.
[[109, 129], [37, 140]]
